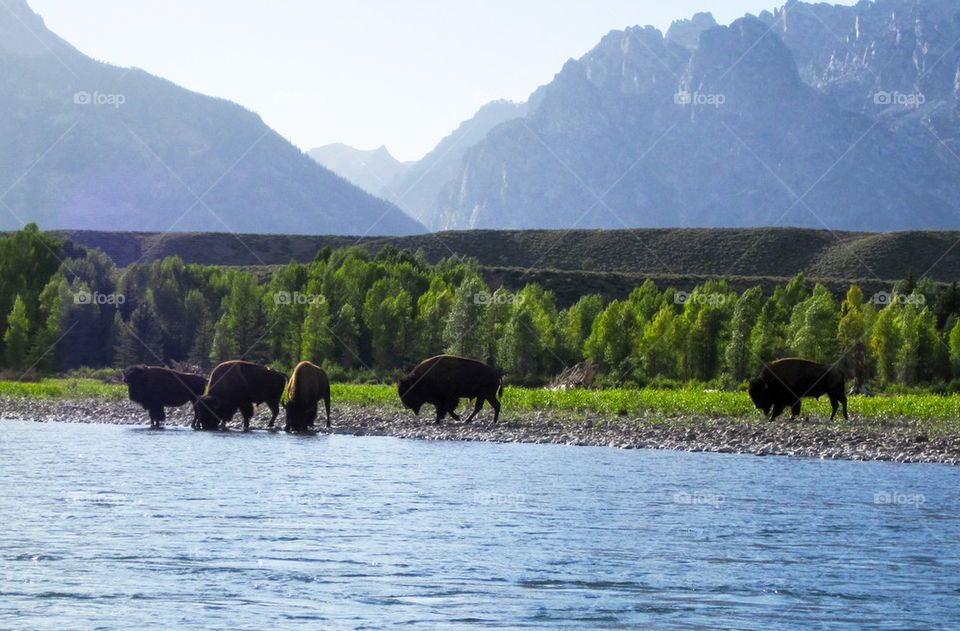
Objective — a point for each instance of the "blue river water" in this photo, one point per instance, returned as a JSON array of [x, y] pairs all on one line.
[[121, 527]]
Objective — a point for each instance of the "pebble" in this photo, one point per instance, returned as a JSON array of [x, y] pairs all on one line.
[[891, 442]]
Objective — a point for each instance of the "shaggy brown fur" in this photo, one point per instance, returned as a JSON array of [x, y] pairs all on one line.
[[307, 386], [239, 385]]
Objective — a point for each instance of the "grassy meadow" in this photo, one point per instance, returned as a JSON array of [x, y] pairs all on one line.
[[937, 414]]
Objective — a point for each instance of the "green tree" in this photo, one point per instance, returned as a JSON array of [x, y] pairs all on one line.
[[317, 336], [433, 308], [768, 336], [346, 336], [853, 336], [241, 331], [574, 326], [745, 314], [885, 343], [658, 344], [16, 339], [138, 341], [465, 331], [953, 341], [813, 327], [388, 316]]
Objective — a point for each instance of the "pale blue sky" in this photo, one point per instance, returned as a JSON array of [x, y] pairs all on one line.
[[364, 72]]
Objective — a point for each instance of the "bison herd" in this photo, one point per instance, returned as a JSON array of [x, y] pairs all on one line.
[[441, 381], [237, 386]]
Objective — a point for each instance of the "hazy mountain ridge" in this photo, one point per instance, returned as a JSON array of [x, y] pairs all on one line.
[[755, 143], [373, 170], [752, 147], [90, 145], [416, 186]]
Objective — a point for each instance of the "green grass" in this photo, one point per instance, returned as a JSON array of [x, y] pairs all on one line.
[[928, 412], [64, 389]]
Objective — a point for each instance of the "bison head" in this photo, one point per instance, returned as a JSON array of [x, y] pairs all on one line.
[[407, 388], [206, 411], [760, 395], [136, 378]]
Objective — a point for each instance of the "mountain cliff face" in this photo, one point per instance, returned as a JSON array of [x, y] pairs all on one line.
[[416, 186], [89, 145], [896, 61], [769, 121], [373, 170]]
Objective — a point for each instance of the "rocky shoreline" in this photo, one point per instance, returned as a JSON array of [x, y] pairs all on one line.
[[897, 442]]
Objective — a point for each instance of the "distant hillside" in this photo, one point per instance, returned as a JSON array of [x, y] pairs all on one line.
[[416, 186], [758, 252], [374, 170], [90, 145]]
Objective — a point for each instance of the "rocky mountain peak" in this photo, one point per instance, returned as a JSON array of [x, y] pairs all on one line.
[[686, 33]]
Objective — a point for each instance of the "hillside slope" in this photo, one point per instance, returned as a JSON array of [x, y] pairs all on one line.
[[727, 253], [90, 145]]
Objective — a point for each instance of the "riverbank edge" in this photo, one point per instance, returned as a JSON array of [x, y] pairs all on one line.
[[811, 438]]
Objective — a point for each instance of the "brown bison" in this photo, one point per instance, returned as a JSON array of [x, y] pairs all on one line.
[[442, 380], [239, 385], [156, 387], [307, 386], [783, 383]]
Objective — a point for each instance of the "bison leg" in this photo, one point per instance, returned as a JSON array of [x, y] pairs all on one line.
[[496, 408], [274, 411], [795, 409], [452, 409], [326, 404], [441, 412], [156, 417], [476, 409], [777, 410], [835, 402], [246, 410]]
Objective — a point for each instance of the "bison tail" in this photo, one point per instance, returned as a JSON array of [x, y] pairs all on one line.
[[500, 390]]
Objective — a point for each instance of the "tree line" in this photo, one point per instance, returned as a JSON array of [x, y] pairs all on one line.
[[362, 315]]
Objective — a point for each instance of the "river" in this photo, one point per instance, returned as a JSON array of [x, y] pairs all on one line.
[[116, 526]]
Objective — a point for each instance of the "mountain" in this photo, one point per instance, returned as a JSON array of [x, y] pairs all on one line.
[[418, 190], [896, 61], [415, 186], [646, 130], [373, 170], [687, 32], [90, 145]]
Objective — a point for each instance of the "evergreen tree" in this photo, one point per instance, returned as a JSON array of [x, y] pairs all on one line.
[[241, 331]]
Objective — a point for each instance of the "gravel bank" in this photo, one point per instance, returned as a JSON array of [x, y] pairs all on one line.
[[811, 438]]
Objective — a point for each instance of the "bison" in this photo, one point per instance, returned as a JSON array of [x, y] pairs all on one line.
[[239, 385], [783, 383], [442, 380], [307, 386], [156, 387]]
